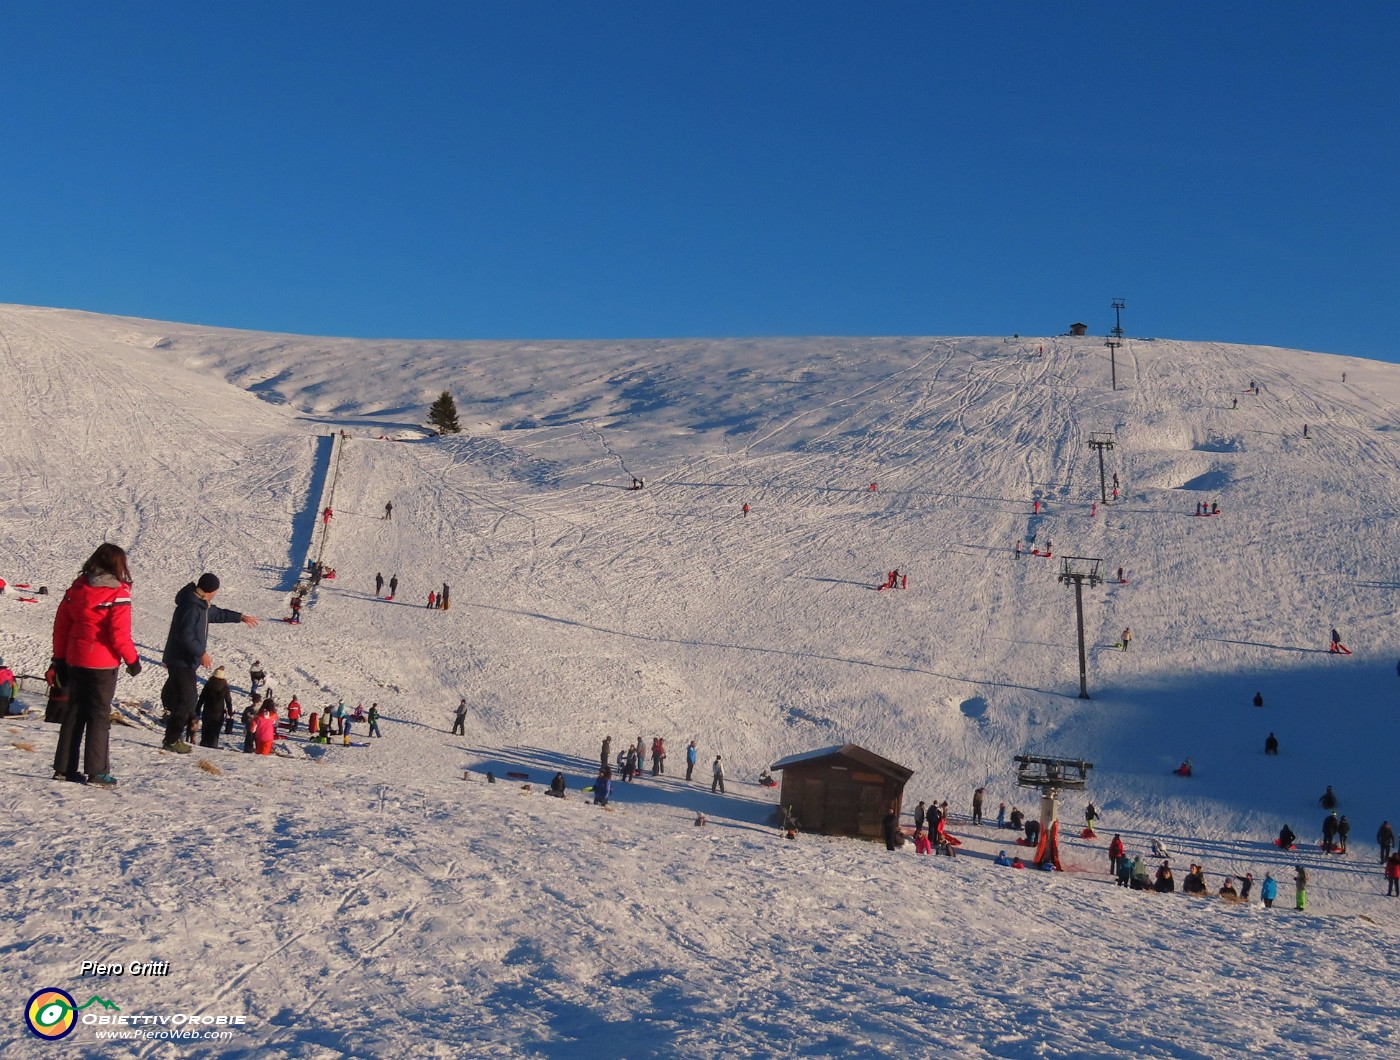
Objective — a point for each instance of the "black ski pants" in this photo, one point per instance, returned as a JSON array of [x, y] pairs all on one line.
[[89, 713], [178, 695]]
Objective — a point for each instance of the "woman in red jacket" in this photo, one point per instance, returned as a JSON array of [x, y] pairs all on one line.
[[91, 638]]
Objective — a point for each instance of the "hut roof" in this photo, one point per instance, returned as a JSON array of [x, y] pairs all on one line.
[[860, 755]]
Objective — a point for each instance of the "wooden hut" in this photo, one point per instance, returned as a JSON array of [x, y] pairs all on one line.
[[842, 790], [1079, 329]]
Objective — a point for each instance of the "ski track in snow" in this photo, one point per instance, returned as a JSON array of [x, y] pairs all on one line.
[[372, 902]]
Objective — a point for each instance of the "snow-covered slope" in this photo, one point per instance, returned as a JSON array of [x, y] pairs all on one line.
[[372, 902]]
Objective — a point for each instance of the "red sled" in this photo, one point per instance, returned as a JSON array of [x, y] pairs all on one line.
[[328, 576], [1042, 555], [1088, 833], [388, 598], [1336, 649], [1293, 847], [35, 600]]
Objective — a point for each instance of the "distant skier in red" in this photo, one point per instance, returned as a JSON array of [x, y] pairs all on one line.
[[746, 509], [326, 516]]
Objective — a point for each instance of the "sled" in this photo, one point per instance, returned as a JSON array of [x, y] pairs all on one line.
[[1088, 833], [515, 775], [388, 599], [1336, 649], [35, 600], [1042, 555], [1292, 846]]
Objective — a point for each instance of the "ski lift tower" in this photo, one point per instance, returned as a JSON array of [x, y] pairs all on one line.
[[1101, 440], [1077, 570], [1051, 776]]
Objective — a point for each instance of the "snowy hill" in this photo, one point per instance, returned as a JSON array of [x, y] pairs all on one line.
[[372, 902]]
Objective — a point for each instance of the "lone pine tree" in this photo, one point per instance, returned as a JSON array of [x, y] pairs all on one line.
[[443, 415]]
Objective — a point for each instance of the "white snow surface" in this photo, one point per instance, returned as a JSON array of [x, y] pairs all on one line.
[[388, 901]]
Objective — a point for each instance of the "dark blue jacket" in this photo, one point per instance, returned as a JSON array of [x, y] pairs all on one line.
[[189, 627]]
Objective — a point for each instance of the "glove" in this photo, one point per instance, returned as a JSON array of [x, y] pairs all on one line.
[[133, 668], [56, 676]]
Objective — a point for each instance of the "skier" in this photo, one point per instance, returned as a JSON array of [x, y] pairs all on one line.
[[186, 649], [1328, 799], [1392, 875], [1286, 838], [374, 720], [1329, 831], [717, 784], [1090, 815], [1300, 884], [432, 600], [602, 787], [326, 516], [91, 638], [1343, 831], [265, 730], [631, 766], [746, 509], [1336, 641], [388, 509], [393, 585], [378, 584], [1234, 403], [1121, 579], [691, 754], [1018, 556], [1271, 745], [1184, 770], [1116, 851], [1305, 430], [1258, 699], [1385, 837], [293, 714], [890, 827], [213, 701], [459, 725], [1269, 890]]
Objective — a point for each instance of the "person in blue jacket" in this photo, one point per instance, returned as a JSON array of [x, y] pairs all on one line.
[[1002, 859], [602, 787], [186, 650], [691, 754], [1269, 890]]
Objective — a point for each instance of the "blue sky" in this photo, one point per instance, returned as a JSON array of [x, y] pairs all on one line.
[[639, 169]]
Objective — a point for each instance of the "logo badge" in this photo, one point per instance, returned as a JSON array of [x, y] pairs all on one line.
[[51, 1014]]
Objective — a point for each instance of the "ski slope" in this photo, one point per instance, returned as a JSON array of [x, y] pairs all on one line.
[[372, 902]]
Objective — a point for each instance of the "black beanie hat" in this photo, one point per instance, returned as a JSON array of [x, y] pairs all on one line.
[[208, 583]]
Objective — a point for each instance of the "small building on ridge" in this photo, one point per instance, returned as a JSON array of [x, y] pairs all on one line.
[[842, 790]]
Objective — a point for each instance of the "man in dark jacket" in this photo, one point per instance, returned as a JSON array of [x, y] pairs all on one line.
[[186, 650]]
